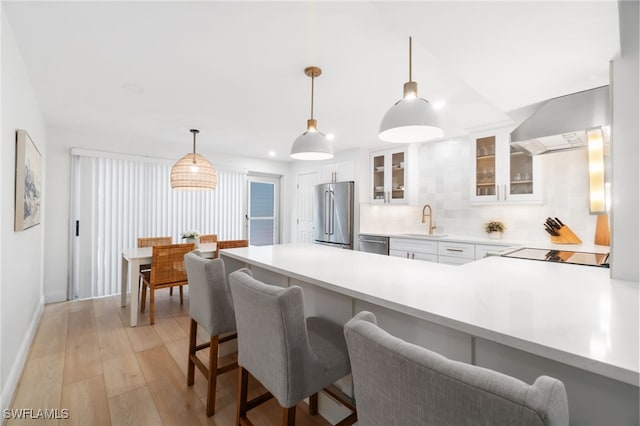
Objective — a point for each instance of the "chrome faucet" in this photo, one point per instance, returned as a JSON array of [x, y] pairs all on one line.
[[432, 224]]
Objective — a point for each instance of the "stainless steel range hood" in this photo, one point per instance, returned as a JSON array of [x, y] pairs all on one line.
[[561, 123]]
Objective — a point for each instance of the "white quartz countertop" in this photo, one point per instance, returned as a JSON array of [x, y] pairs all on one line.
[[573, 314]]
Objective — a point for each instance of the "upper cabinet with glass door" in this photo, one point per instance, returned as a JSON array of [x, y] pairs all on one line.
[[501, 173], [389, 177]]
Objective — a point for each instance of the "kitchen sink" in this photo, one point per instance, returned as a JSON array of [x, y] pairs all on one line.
[[425, 235]]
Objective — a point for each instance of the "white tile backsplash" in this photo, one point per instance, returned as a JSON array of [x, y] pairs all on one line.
[[445, 180]]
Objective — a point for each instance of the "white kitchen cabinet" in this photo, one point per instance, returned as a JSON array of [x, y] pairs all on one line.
[[394, 176], [483, 249], [455, 253], [447, 252], [413, 249], [337, 172], [500, 173], [452, 260]]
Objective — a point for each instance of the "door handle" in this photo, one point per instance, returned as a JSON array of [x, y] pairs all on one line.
[[331, 213], [326, 212]]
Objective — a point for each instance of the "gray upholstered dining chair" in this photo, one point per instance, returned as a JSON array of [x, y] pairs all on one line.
[[398, 383], [211, 307], [293, 357]]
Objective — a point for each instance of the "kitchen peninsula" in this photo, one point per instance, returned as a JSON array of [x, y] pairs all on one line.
[[524, 318]]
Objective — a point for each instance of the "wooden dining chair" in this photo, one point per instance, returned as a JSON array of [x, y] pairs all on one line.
[[167, 270], [208, 238], [150, 242], [230, 244]]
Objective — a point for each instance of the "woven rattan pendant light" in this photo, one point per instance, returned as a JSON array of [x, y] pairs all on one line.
[[193, 171]]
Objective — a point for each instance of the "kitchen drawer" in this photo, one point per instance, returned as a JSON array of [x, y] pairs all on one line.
[[465, 250], [414, 255], [452, 260], [483, 249], [413, 246]]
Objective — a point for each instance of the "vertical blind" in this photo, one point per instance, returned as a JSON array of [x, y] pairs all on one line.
[[131, 199]]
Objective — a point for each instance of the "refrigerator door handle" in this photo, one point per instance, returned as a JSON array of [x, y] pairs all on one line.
[[332, 213], [326, 212]]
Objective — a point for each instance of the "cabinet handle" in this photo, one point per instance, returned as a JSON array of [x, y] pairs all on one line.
[[373, 241], [504, 194], [407, 255], [498, 192], [456, 250], [413, 255]]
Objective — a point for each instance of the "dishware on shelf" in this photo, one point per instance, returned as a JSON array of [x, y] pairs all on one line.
[[379, 168]]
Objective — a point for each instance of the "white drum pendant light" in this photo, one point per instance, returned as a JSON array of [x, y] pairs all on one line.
[[411, 119], [193, 171], [312, 144]]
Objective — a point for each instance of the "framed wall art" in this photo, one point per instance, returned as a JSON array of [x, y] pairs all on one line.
[[28, 182]]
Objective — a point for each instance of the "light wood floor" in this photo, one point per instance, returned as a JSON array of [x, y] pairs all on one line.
[[86, 358]]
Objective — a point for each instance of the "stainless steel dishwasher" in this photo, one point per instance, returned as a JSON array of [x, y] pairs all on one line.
[[374, 244]]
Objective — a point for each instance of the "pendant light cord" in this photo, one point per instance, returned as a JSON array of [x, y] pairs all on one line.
[[410, 58], [195, 132], [312, 80]]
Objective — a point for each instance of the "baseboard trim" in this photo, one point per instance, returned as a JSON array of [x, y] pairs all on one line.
[[55, 297], [9, 388]]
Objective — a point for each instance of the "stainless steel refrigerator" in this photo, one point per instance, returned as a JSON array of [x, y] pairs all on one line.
[[333, 215]]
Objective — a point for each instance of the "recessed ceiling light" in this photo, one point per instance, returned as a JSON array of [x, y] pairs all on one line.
[[272, 154], [452, 141], [330, 136]]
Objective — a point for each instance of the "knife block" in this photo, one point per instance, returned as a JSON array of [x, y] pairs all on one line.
[[567, 236]]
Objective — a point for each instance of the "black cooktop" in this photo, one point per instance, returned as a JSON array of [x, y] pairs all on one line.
[[561, 256]]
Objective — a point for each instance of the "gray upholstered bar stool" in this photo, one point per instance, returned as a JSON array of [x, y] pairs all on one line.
[[210, 305], [292, 356], [398, 383]]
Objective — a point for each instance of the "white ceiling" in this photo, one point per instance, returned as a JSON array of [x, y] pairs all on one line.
[[235, 69]]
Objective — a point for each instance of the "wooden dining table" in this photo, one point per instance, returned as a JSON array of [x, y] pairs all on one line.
[[132, 258]]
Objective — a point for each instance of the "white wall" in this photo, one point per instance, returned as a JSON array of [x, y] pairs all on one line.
[[56, 263], [625, 139], [21, 253]]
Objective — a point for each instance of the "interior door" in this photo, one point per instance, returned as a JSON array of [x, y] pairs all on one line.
[[81, 228], [264, 198], [304, 222]]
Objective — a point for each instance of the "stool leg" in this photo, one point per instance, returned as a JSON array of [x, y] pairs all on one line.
[[191, 367], [313, 404], [181, 296], [243, 382], [213, 375], [289, 416], [170, 291]]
